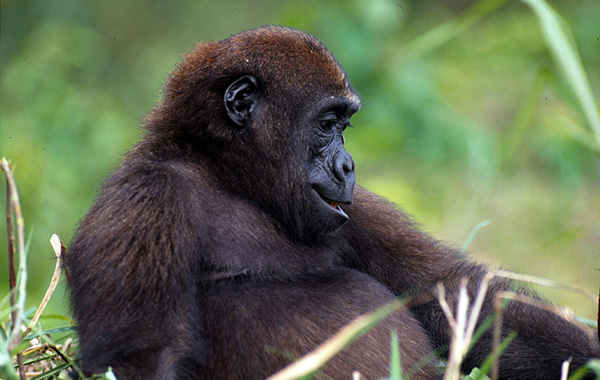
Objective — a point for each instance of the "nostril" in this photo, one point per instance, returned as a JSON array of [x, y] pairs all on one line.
[[349, 166], [348, 163], [344, 165]]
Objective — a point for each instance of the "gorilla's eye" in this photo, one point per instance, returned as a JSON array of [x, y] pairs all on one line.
[[330, 124], [329, 120]]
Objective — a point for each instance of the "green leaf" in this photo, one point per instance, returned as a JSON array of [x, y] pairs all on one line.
[[476, 374]]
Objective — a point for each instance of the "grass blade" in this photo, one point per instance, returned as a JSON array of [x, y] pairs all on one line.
[[567, 58]]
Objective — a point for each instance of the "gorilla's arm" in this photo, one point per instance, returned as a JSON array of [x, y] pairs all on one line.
[[389, 247], [132, 275]]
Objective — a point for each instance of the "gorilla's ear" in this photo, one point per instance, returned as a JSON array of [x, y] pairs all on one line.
[[240, 98]]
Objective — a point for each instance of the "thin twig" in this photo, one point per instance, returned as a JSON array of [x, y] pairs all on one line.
[[497, 333], [463, 324], [523, 298], [59, 250], [560, 311], [545, 282], [13, 205], [478, 304], [444, 305], [564, 371], [457, 343], [10, 229], [43, 348]]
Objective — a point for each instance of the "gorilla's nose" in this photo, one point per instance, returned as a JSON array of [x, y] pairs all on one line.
[[343, 166]]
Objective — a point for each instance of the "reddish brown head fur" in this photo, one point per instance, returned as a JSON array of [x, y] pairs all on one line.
[[290, 63]]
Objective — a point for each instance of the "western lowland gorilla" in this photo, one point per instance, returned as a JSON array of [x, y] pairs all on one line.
[[231, 240]]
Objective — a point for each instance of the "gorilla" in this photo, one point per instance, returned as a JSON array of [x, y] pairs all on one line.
[[232, 239]]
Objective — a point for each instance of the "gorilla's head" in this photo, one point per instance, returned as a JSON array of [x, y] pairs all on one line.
[[269, 107]]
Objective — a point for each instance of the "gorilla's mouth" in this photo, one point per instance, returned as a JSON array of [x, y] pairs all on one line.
[[330, 204], [334, 205]]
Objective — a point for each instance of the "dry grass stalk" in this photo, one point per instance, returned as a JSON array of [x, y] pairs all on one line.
[[462, 325], [562, 312], [59, 250], [564, 371], [13, 205], [47, 357], [545, 282]]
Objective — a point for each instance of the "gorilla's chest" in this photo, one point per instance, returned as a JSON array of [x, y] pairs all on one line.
[[289, 319]]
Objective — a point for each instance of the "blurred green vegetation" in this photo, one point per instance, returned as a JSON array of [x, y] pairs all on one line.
[[474, 123]]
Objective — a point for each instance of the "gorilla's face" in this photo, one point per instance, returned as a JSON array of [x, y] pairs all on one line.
[[300, 172], [331, 168]]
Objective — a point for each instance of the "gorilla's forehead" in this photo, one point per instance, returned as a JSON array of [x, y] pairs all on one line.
[[290, 60], [285, 47], [281, 57], [290, 65]]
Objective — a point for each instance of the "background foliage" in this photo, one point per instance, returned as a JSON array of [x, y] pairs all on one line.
[[472, 123]]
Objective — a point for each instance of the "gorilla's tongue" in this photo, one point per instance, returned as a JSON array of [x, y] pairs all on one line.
[[333, 204]]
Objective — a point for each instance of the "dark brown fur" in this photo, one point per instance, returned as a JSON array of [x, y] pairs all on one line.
[[192, 262]]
